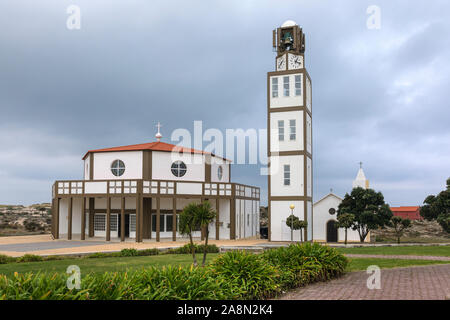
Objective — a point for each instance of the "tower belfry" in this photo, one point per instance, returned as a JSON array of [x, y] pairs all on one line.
[[289, 120]]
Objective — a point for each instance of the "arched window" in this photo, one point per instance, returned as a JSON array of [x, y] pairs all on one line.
[[178, 168], [220, 172], [117, 168]]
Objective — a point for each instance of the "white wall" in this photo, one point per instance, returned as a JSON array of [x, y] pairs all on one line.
[[296, 187], [162, 162], [287, 144], [308, 94], [64, 216], [322, 216], [292, 100], [279, 212], [131, 159], [215, 163], [86, 167], [308, 133]]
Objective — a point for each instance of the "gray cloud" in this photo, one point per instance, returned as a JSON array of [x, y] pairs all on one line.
[[379, 96]]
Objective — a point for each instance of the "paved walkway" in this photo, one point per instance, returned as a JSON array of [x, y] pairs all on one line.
[[412, 283], [403, 257]]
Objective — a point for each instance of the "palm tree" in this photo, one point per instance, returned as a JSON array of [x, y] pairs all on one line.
[[204, 216], [188, 223]]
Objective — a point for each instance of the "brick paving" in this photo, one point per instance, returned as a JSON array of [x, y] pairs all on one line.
[[412, 283], [403, 257]]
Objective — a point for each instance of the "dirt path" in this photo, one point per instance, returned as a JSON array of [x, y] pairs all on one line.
[[403, 257]]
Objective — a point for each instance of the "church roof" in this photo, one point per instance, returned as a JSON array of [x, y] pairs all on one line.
[[360, 175], [153, 146], [328, 195]]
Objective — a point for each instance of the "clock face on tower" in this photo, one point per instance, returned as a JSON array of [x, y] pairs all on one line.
[[295, 62], [281, 63]]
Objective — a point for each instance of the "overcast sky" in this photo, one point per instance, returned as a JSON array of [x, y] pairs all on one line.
[[379, 96]]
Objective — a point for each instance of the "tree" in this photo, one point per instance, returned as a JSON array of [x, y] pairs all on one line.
[[345, 221], [204, 215], [293, 223], [400, 225], [369, 209], [188, 224], [438, 208]]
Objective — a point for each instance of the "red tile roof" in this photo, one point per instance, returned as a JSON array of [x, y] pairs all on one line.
[[413, 208], [154, 146]]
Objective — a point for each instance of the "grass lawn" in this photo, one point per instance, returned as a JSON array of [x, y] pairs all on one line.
[[102, 264], [443, 251], [357, 264]]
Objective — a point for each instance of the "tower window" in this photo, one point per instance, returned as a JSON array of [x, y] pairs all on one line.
[[287, 175], [292, 133], [298, 85], [178, 168], [281, 130], [286, 86], [274, 87]]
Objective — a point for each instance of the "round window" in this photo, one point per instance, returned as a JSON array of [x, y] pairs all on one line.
[[220, 172], [117, 168], [178, 168], [332, 211]]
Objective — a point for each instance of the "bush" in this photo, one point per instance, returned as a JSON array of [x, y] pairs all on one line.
[[128, 252], [6, 259], [249, 272], [29, 258], [186, 249], [148, 252]]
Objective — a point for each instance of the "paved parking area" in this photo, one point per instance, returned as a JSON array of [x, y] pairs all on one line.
[[412, 283], [46, 245]]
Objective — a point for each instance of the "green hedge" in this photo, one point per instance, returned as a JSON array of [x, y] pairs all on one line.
[[233, 275]]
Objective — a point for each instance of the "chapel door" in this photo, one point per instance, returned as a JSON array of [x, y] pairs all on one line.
[[332, 231]]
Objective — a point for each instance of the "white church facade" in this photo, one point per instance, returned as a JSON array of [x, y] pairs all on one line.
[[325, 216], [138, 191]]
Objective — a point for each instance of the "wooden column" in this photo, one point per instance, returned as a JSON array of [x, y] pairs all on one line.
[[158, 217], [217, 219], [56, 222], [141, 220], [233, 218], [122, 219], [138, 219], [174, 219], [69, 222], [83, 219], [91, 216], [108, 218], [202, 229]]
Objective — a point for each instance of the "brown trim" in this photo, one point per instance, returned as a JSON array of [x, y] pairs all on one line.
[[69, 219], [122, 218], [289, 109], [232, 218], [158, 218], [269, 214], [108, 218], [91, 216], [147, 164], [91, 166], [174, 219], [83, 220], [290, 153], [287, 198], [208, 169], [57, 204], [217, 218]]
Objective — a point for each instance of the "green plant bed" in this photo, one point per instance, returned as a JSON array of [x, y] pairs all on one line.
[[110, 264], [443, 251], [357, 264]]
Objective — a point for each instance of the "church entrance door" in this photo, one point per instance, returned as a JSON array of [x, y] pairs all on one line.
[[332, 231]]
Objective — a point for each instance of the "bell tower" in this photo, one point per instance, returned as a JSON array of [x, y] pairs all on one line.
[[289, 122]]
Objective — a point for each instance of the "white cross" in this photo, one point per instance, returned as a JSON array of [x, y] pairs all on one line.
[[159, 126]]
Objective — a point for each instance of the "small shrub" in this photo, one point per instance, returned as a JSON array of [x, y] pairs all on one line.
[[186, 249], [6, 259], [148, 252], [249, 272], [129, 252], [30, 258]]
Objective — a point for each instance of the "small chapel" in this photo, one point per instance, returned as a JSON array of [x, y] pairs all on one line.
[[325, 215]]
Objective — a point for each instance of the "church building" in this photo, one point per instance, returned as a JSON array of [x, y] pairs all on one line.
[[138, 191], [325, 216]]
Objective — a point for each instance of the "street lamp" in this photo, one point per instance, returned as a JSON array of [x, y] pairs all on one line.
[[292, 221]]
